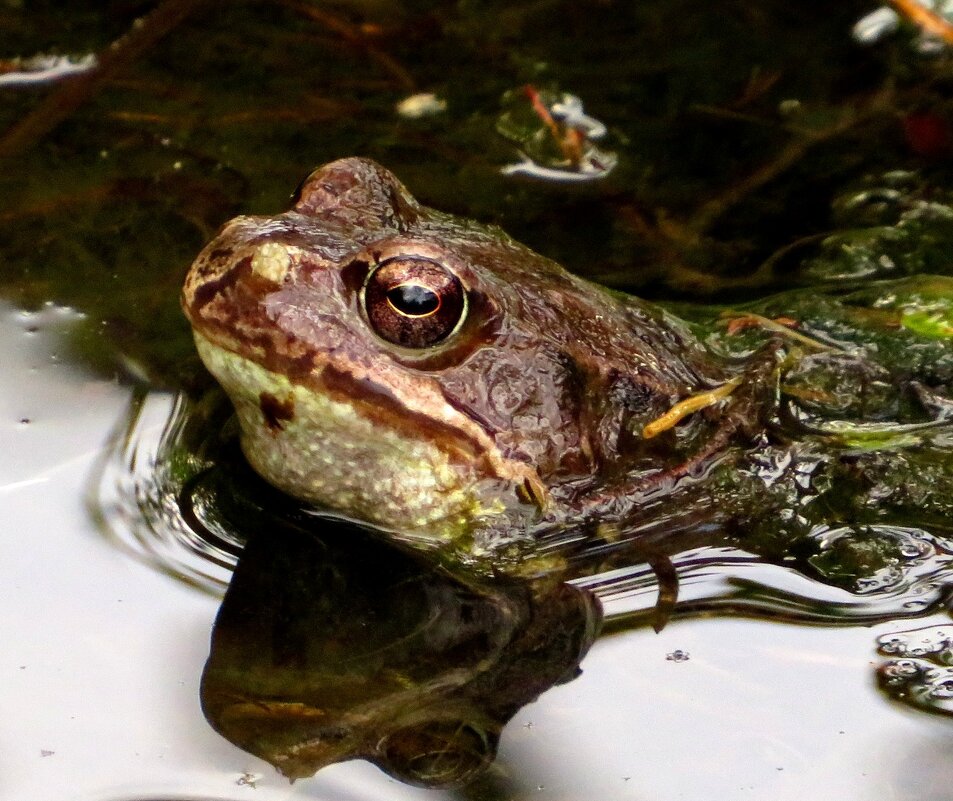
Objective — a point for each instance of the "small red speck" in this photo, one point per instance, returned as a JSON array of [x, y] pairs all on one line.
[[927, 134]]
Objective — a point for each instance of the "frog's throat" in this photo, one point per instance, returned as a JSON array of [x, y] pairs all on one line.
[[327, 450]]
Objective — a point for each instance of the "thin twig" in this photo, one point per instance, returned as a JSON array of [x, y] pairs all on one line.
[[779, 328], [928, 20], [74, 92], [354, 36], [787, 158], [790, 155]]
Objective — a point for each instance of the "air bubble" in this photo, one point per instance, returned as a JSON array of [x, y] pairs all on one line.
[[923, 678], [943, 690], [935, 642], [678, 656], [895, 645]]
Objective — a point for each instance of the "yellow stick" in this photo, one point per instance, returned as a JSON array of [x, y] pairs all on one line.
[[689, 406], [772, 325], [930, 21]]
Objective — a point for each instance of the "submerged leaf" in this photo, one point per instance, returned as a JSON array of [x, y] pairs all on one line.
[[935, 324]]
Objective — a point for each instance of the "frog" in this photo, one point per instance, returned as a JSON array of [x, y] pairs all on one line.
[[431, 378], [434, 379]]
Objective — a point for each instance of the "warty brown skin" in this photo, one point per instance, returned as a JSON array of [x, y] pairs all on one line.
[[540, 394]]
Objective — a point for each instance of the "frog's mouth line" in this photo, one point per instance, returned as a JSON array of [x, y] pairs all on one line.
[[378, 404], [382, 408]]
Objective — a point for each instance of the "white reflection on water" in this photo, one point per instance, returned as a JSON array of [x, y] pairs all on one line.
[[102, 655]]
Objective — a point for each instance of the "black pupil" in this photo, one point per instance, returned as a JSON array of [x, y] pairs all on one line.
[[413, 300]]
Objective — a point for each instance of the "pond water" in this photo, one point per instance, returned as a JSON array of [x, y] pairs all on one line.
[[104, 652], [694, 155]]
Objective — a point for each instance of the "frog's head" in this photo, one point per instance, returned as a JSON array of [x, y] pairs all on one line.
[[415, 371]]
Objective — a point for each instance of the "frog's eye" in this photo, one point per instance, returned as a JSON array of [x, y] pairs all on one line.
[[414, 302]]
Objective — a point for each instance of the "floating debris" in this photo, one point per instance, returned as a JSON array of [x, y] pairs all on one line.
[[934, 643], [874, 559], [43, 68], [248, 779], [933, 19], [555, 137], [876, 25], [422, 104]]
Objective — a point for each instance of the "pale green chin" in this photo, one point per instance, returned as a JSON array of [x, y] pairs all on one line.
[[323, 451]]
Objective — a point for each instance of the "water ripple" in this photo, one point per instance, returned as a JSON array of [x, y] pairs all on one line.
[[164, 494], [137, 493]]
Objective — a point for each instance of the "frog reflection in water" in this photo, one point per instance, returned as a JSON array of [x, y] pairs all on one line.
[[437, 380]]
